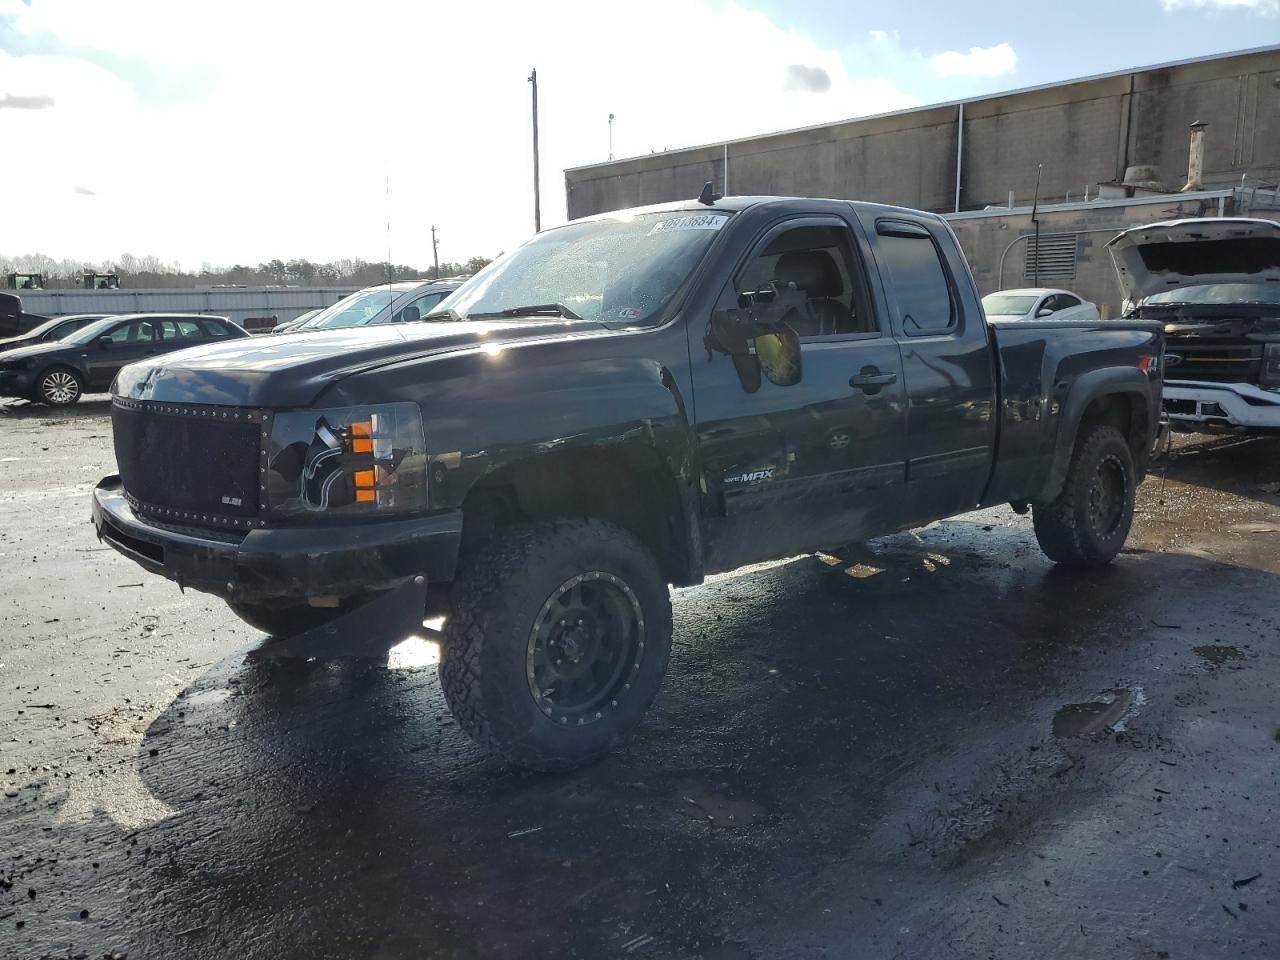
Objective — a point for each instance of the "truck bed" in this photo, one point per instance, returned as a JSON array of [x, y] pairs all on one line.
[[1038, 362]]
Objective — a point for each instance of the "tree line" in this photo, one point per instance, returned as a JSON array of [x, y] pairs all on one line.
[[149, 271]]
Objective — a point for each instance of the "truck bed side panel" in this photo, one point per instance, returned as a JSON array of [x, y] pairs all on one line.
[[1050, 372]]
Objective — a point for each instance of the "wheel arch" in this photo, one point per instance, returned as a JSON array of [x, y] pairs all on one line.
[[631, 485], [1117, 396]]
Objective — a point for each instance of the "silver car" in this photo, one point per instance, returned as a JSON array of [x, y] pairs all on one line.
[[1037, 303], [402, 301]]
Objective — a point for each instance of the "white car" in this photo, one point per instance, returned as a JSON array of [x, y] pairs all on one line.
[[1037, 303]]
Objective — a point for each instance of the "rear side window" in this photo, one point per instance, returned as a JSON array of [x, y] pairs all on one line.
[[913, 265], [214, 329]]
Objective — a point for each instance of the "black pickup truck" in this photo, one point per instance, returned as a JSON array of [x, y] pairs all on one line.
[[626, 402]]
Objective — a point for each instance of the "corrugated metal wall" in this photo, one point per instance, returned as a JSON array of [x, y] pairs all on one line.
[[236, 303]]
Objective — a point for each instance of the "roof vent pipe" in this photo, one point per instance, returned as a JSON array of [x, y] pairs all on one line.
[[1195, 160]]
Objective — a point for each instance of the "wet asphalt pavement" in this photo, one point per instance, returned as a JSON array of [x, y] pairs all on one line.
[[939, 746]]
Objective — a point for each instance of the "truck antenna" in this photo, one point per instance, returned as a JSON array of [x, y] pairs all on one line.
[[708, 196]]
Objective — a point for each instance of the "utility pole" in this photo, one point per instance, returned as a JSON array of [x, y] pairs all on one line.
[[537, 188], [435, 252], [611, 136]]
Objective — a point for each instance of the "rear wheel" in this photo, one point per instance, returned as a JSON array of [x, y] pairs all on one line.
[[59, 387], [1089, 521], [557, 642]]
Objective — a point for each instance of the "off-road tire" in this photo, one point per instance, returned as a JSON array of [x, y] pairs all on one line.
[[1070, 529], [498, 598], [284, 620], [58, 387]]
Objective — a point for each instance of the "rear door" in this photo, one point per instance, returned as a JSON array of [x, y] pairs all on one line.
[[947, 362], [819, 462], [177, 333], [126, 342]]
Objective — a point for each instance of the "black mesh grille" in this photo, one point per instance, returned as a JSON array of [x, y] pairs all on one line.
[[188, 464]]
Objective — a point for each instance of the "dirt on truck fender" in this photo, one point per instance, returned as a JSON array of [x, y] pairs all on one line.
[[537, 461]]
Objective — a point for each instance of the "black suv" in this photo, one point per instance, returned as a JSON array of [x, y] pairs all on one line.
[[59, 373]]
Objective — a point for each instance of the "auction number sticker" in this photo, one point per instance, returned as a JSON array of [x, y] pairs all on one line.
[[698, 221]]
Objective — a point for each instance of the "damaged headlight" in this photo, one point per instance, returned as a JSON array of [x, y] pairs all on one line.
[[347, 461], [1270, 365]]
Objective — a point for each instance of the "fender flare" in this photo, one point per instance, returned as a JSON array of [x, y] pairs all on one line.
[[1107, 381]]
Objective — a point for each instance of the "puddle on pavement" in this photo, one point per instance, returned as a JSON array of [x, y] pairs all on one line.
[[208, 698], [416, 653], [1217, 653], [1111, 711]]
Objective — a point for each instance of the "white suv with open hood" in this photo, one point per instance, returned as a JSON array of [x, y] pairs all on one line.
[[1215, 284]]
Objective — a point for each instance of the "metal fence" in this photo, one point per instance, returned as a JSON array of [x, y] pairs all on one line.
[[244, 305]]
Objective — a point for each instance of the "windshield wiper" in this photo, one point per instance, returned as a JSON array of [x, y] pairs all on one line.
[[532, 310]]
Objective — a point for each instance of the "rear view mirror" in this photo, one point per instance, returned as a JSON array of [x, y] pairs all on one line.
[[779, 355], [759, 338]]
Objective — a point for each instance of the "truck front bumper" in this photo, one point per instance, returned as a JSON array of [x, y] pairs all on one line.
[[275, 564], [1198, 404]]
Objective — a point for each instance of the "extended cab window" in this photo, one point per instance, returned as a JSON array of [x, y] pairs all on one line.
[[819, 262], [913, 265]]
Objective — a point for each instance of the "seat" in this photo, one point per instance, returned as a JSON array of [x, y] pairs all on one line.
[[814, 272]]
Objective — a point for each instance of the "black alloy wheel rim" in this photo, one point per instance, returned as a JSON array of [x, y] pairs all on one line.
[[1107, 494], [585, 648]]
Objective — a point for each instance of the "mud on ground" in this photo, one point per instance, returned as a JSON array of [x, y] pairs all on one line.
[[940, 746]]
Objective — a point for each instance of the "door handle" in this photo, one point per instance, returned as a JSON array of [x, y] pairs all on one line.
[[870, 379]]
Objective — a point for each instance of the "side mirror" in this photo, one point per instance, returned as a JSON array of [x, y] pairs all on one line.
[[758, 337], [104, 341], [1043, 312]]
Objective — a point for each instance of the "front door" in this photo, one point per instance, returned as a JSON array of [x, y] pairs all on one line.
[[820, 462], [125, 343]]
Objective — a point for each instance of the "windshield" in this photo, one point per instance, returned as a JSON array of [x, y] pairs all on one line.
[[622, 270], [91, 332], [355, 311], [1003, 305], [1220, 293]]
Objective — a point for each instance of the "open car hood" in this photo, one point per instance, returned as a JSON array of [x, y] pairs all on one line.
[[1183, 253]]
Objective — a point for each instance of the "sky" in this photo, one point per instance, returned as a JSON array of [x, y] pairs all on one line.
[[238, 131]]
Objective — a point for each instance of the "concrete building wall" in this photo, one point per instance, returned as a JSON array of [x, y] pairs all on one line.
[[1083, 132]]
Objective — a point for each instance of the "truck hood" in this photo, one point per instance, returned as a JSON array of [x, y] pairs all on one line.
[[1182, 253], [290, 370]]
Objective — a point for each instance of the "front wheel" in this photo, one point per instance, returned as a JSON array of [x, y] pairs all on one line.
[[1089, 521], [557, 643], [59, 387]]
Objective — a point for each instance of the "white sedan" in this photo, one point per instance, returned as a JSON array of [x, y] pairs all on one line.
[[1037, 303]]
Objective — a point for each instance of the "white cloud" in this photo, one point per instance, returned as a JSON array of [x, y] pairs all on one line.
[[301, 117], [978, 62], [1267, 8]]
